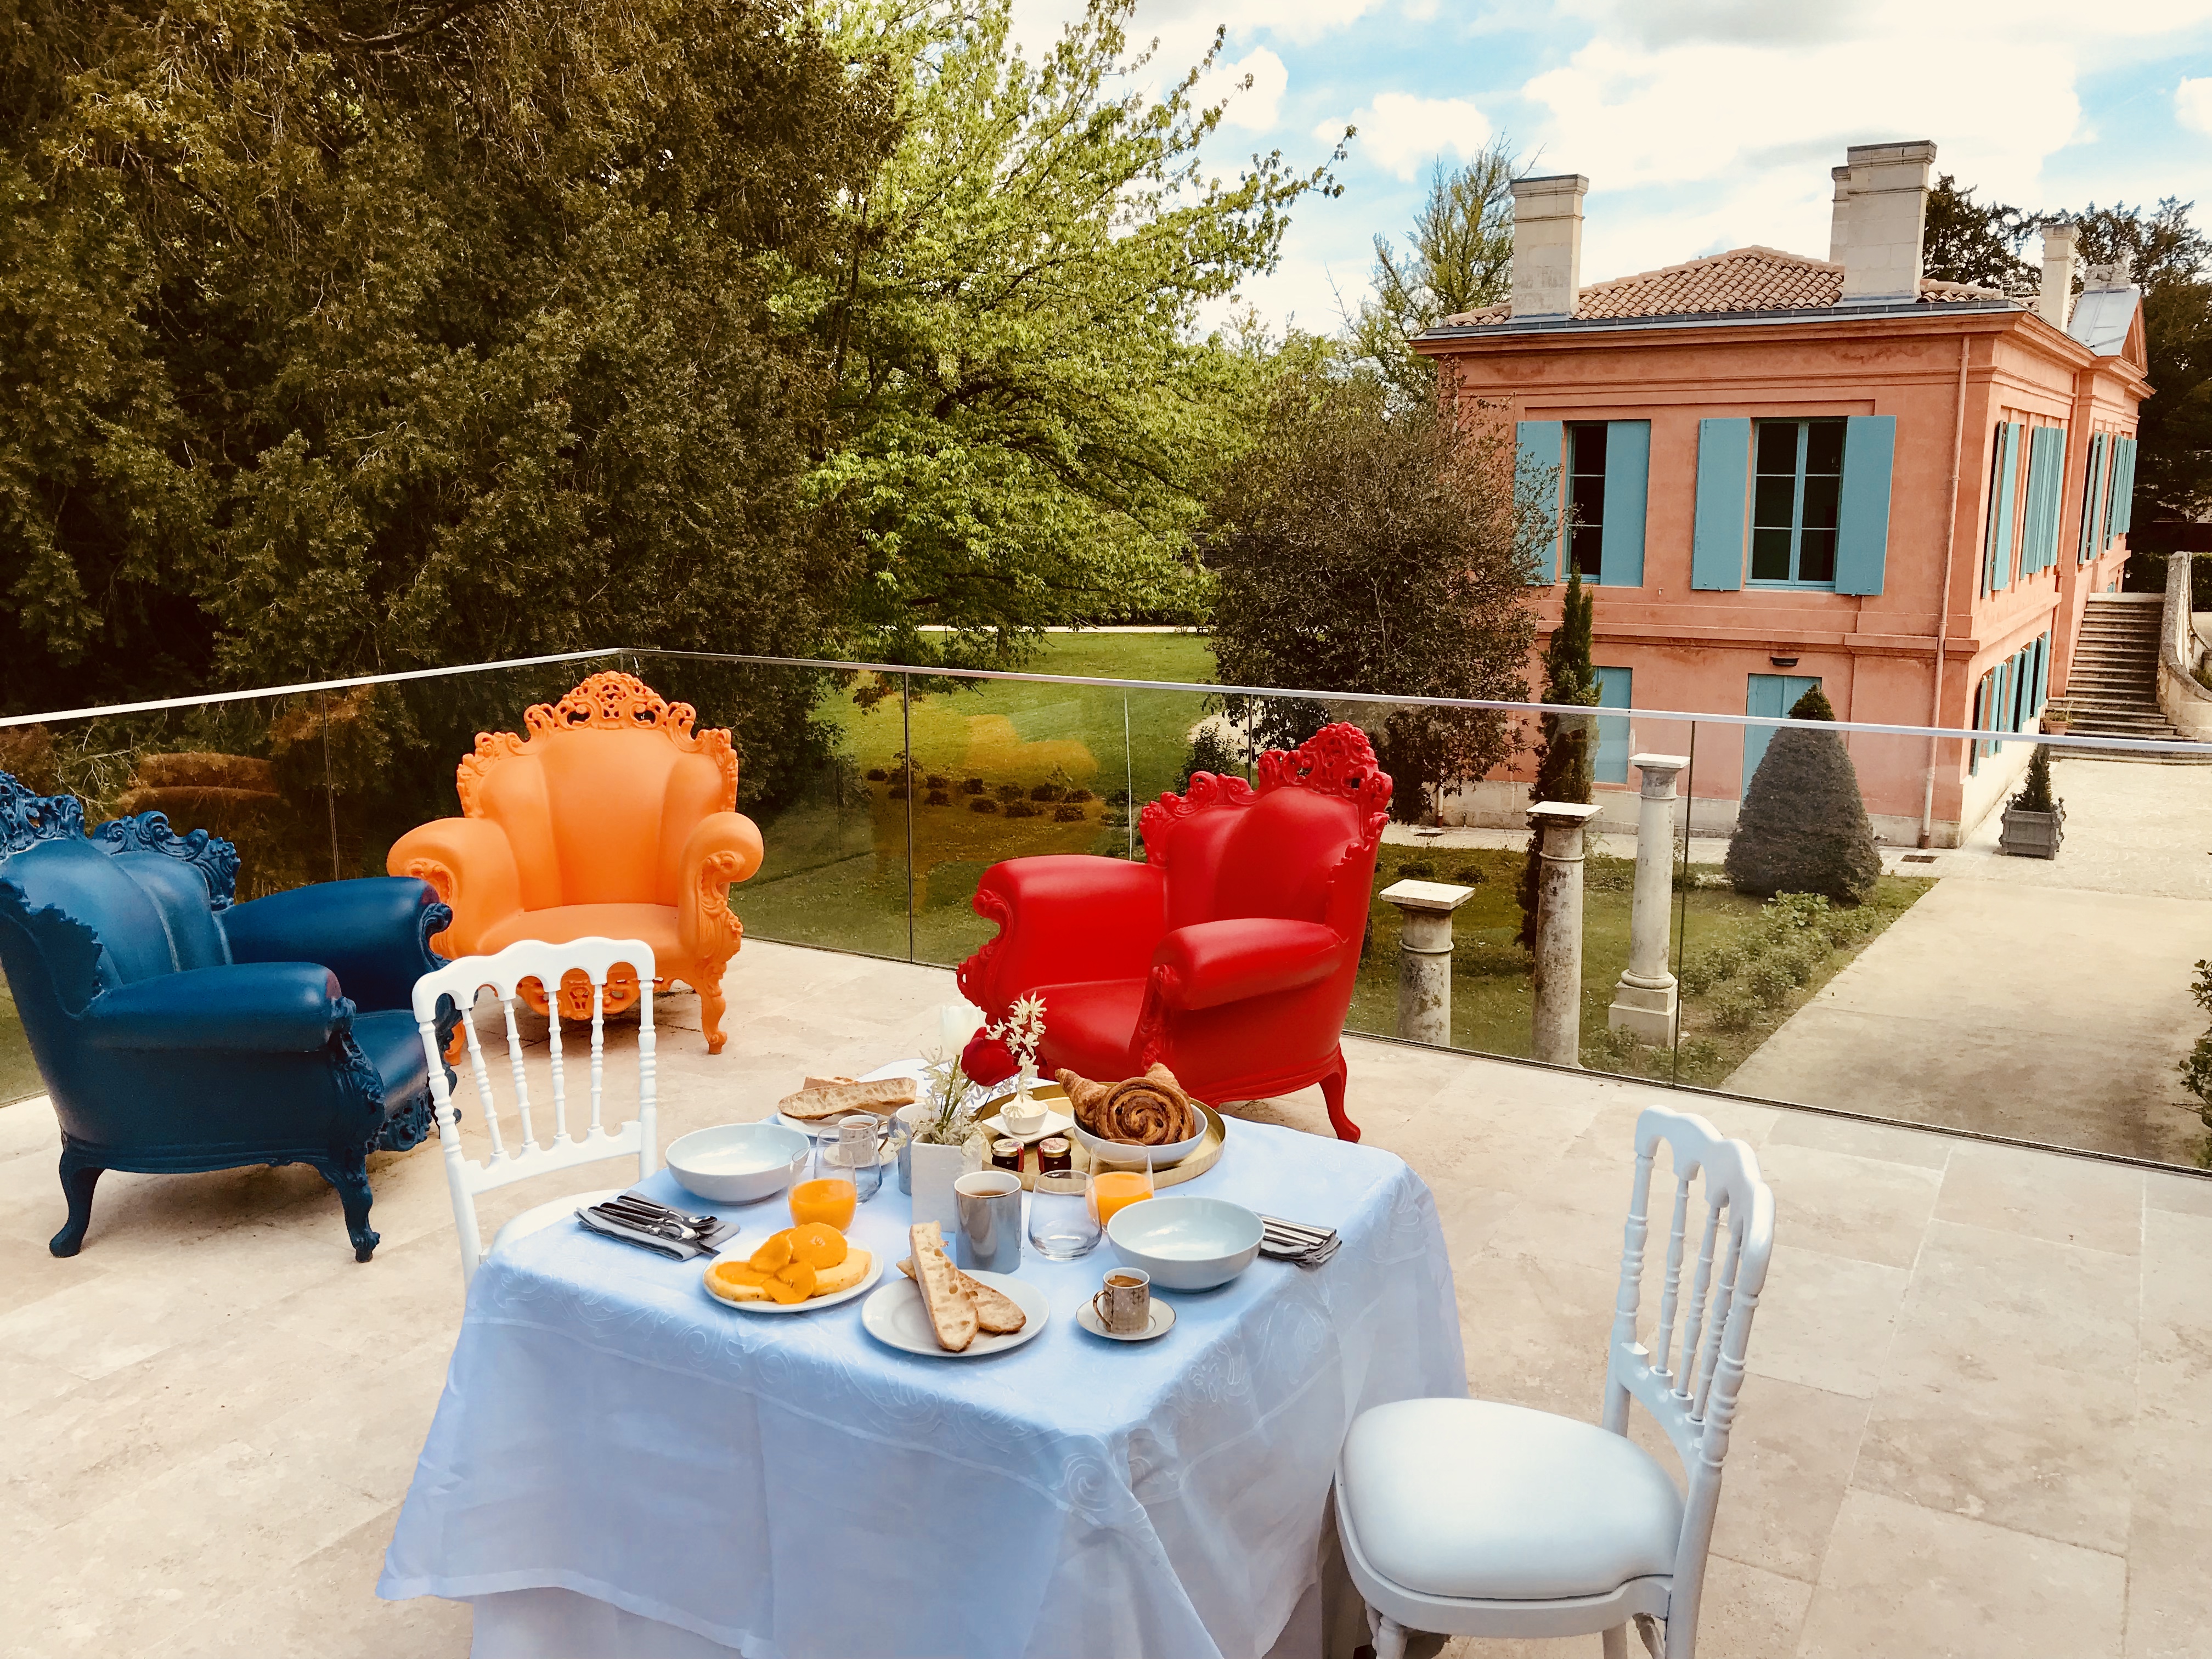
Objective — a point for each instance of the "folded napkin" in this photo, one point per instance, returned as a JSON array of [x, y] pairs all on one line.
[[1290, 1241], [683, 1249]]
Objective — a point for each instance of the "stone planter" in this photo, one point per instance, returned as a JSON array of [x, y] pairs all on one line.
[[926, 1174], [2032, 835]]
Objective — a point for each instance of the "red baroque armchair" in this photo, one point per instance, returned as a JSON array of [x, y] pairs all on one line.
[[1228, 954]]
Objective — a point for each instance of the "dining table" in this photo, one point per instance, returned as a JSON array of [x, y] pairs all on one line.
[[622, 1464]]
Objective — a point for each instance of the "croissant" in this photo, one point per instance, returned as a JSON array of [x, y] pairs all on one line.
[[1150, 1110]]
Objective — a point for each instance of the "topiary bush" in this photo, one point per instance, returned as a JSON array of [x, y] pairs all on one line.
[[2035, 794], [975, 786], [936, 781], [938, 798], [1020, 809], [1008, 793], [1803, 826], [1067, 812], [1210, 751], [982, 804], [1736, 1008], [877, 774], [1047, 792], [1416, 870], [1080, 795]]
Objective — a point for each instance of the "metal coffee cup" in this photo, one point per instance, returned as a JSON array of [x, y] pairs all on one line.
[[1125, 1306], [989, 1221]]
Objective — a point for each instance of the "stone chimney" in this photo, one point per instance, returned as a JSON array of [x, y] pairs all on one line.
[[1839, 230], [1547, 244], [1888, 221], [2055, 297]]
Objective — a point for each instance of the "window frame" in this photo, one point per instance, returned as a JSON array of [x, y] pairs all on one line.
[[1804, 424]]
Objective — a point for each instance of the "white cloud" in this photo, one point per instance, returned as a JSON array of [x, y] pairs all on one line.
[[1402, 133], [1253, 107], [2192, 105]]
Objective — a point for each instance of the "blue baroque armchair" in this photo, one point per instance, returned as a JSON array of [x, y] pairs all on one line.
[[178, 1032]]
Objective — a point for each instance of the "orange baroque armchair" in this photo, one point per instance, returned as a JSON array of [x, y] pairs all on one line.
[[613, 817]]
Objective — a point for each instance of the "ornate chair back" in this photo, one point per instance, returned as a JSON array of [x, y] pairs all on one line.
[[524, 1153], [1689, 1377], [598, 800]]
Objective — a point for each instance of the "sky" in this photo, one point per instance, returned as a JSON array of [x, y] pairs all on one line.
[[1701, 124]]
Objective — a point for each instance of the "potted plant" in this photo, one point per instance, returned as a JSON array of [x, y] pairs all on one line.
[[2034, 823], [2056, 717]]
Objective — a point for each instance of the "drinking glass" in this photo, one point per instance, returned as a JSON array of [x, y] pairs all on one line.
[[1119, 1180], [1062, 1225], [844, 1171]]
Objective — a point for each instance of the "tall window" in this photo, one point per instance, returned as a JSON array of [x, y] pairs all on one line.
[[1796, 492], [1586, 493]]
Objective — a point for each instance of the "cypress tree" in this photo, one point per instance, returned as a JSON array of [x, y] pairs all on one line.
[[2035, 793], [1562, 759], [1803, 827]]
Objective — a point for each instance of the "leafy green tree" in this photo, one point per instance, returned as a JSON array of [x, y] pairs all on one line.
[[1461, 258], [1979, 242], [1364, 548], [365, 340], [1803, 827], [2196, 1067], [1026, 417], [1563, 760]]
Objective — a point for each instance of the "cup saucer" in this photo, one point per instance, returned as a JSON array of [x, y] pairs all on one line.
[[1161, 1322]]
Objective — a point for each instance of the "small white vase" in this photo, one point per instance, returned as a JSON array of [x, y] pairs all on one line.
[[930, 1172]]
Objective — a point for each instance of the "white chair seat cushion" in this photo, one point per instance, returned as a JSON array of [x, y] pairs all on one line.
[[539, 1216], [1482, 1502]]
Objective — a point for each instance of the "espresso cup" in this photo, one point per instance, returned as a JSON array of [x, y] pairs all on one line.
[[988, 1220], [1125, 1306]]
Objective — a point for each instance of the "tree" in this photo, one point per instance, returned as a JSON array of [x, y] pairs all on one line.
[[1563, 768], [1361, 548], [1803, 827], [1970, 241], [1461, 258], [1026, 416], [366, 340]]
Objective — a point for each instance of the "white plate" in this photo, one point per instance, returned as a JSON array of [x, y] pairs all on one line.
[[770, 1305], [1055, 1123], [818, 1128], [1159, 1322], [894, 1316]]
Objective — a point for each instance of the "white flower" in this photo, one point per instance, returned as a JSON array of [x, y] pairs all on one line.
[[952, 1026]]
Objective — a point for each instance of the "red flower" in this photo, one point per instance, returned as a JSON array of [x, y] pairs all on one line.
[[986, 1060]]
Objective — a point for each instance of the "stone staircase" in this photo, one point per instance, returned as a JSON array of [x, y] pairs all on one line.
[[2113, 686]]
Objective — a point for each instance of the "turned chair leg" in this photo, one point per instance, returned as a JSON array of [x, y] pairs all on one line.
[[711, 1004], [350, 1177], [1331, 1091], [1390, 1637], [79, 1177]]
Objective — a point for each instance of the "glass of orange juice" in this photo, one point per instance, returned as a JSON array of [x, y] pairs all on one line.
[[1119, 1180], [842, 1172]]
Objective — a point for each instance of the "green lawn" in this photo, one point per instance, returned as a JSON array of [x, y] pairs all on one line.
[[19, 1077]]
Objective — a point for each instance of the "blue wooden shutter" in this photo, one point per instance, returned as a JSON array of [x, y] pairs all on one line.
[[1999, 549], [2092, 473], [2046, 465], [1627, 483], [1538, 447], [1615, 690], [2123, 488], [1862, 520], [1724, 476], [2042, 672], [2112, 448]]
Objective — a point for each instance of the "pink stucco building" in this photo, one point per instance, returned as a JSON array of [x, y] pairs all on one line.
[[1784, 470]]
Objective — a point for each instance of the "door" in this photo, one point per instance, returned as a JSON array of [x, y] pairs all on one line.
[[1613, 692], [1772, 695]]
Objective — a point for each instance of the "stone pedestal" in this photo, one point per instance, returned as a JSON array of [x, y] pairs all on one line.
[[1645, 1003], [1425, 953], [1557, 1021]]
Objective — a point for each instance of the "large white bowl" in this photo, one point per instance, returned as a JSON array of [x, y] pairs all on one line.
[[1168, 1152], [737, 1162], [1186, 1243]]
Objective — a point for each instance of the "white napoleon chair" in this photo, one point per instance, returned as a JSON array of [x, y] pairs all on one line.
[[1472, 1518], [528, 1156]]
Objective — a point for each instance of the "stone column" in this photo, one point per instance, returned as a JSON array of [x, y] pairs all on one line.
[[1645, 1004], [1425, 953], [1558, 1020]]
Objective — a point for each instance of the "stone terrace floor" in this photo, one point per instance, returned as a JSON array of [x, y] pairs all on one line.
[[1979, 1417]]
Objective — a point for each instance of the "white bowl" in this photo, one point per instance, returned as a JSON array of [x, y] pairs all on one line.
[[737, 1162], [1168, 1152], [1186, 1243]]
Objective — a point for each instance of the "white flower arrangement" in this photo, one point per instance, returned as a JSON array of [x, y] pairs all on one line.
[[1022, 1030], [949, 1114]]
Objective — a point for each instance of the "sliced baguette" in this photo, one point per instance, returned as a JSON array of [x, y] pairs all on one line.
[[997, 1313], [821, 1100], [951, 1311]]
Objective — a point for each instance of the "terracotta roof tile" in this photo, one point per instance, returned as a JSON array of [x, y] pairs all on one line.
[[1742, 279]]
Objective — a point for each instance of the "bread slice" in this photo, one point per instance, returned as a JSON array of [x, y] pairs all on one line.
[[951, 1310], [997, 1313], [883, 1098]]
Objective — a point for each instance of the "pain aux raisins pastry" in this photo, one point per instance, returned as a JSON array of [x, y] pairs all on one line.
[[1150, 1110]]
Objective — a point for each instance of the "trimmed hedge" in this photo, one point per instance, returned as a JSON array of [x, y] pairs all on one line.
[[1803, 826]]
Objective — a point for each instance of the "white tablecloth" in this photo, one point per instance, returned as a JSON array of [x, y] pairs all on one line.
[[789, 1487]]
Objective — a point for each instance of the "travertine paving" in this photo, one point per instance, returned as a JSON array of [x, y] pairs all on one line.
[[1979, 1419]]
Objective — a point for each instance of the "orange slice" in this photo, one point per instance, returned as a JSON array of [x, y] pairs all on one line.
[[794, 1283], [775, 1254], [737, 1272], [817, 1244]]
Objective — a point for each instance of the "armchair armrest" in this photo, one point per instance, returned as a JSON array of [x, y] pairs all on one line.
[[1063, 916], [471, 866], [722, 848], [262, 1007], [1211, 962], [373, 934]]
